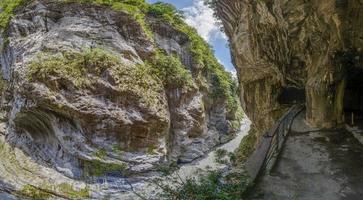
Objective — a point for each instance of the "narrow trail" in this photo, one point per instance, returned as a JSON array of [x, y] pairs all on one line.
[[316, 165]]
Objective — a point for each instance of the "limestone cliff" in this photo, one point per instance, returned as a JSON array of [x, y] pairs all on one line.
[[96, 89], [296, 51]]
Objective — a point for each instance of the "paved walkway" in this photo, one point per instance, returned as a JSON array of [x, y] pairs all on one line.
[[314, 166]]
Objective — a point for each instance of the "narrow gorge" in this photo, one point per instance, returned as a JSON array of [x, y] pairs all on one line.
[[122, 99]]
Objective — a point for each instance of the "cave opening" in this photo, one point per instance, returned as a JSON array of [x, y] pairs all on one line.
[[353, 98], [292, 95]]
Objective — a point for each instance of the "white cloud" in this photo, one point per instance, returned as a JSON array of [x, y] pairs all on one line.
[[234, 74], [201, 18]]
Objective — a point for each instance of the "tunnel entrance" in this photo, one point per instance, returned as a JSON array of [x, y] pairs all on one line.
[[292, 95], [353, 98]]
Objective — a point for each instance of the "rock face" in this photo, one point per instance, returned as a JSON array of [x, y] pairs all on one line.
[[295, 51], [79, 95]]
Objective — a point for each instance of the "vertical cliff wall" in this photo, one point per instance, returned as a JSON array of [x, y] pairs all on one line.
[[289, 51]]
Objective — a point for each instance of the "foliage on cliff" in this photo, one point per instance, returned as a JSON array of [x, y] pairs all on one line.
[[82, 69], [222, 83], [171, 71], [7, 8], [246, 147], [72, 66], [211, 185]]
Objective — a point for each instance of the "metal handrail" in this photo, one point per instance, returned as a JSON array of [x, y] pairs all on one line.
[[265, 155]]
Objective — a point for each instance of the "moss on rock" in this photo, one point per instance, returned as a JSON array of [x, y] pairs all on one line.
[[70, 191], [100, 153], [49, 191], [98, 168], [34, 193], [7, 11]]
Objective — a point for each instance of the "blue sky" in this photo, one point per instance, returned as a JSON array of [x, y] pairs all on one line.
[[201, 17]]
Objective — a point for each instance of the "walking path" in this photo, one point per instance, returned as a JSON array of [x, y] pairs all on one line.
[[314, 165]]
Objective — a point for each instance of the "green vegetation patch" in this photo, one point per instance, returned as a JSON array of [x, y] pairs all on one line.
[[117, 150], [3, 83], [246, 147], [235, 109], [100, 153], [73, 66], [69, 191], [220, 156], [7, 11], [171, 71], [212, 185], [65, 189], [34, 193], [98, 168], [82, 69]]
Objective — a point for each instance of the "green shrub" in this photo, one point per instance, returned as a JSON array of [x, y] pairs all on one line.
[[100, 153], [98, 168], [73, 66], [8, 7], [210, 186], [246, 147], [221, 153], [220, 156], [164, 10], [235, 109], [171, 71]]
